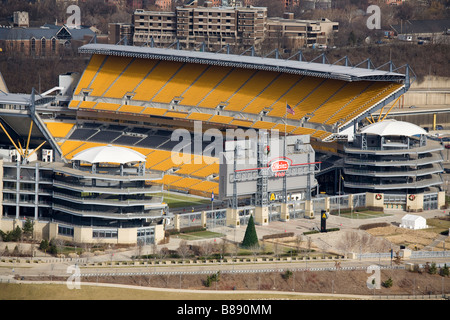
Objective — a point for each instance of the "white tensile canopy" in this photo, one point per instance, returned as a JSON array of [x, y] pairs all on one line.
[[393, 127], [411, 221], [109, 154]]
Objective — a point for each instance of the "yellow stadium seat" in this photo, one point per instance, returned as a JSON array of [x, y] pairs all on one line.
[[154, 111], [209, 79], [108, 73], [73, 104], [153, 83], [107, 106], [273, 93], [130, 78], [59, 129], [199, 116], [221, 119], [293, 97], [131, 109], [87, 104], [242, 123], [206, 186], [226, 88], [179, 83], [90, 72], [252, 88]]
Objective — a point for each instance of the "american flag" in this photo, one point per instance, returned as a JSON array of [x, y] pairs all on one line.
[[289, 109]]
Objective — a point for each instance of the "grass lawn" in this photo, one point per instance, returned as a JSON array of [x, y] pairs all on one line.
[[199, 235], [364, 214], [91, 292], [438, 225], [175, 200]]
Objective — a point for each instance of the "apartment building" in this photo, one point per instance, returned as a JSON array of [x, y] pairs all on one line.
[[301, 33], [193, 25], [217, 27]]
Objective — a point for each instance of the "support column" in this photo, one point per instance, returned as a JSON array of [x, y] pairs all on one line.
[[284, 216], [262, 215], [309, 210], [232, 218], [441, 199], [374, 200], [176, 222], [350, 201], [203, 219]]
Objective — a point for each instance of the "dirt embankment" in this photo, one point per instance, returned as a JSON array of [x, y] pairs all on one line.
[[340, 282]]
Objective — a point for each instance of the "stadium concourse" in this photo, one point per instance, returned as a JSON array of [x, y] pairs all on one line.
[[137, 96]]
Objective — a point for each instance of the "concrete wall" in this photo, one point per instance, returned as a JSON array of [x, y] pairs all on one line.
[[432, 91]]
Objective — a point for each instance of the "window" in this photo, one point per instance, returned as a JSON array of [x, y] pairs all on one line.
[[65, 231], [104, 233], [33, 45], [53, 45]]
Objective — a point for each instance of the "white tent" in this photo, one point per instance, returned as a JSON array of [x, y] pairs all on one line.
[[109, 153], [411, 221]]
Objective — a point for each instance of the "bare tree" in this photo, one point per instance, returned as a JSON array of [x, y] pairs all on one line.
[[223, 248], [206, 249], [255, 249], [298, 242], [183, 249]]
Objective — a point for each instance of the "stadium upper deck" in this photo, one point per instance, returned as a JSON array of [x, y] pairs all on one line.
[[233, 90]]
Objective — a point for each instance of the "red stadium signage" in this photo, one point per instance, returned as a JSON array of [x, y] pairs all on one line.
[[279, 166]]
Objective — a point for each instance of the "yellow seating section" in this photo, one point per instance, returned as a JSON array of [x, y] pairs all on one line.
[[212, 76], [175, 114], [154, 111], [250, 90], [339, 100], [243, 90], [198, 166], [212, 169], [221, 119], [272, 94], [90, 72], [59, 129], [87, 104], [293, 97], [131, 109], [206, 186], [156, 80], [199, 116], [369, 100], [179, 83], [226, 88], [131, 77], [107, 106], [73, 104], [109, 72]]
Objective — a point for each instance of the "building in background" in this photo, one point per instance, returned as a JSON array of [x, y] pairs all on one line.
[[120, 33], [21, 19], [301, 33], [47, 40], [216, 27]]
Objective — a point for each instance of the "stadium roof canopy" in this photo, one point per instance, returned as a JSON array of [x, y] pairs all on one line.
[[109, 154], [331, 71], [393, 127]]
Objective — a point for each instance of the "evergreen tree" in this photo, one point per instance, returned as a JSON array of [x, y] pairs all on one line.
[[28, 228], [250, 237]]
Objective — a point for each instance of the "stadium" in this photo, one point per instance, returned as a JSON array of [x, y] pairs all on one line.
[[134, 99]]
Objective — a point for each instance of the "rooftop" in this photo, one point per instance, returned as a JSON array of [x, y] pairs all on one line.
[[393, 127], [109, 154]]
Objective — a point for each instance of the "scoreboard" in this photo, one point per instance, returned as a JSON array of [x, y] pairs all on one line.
[[293, 160]]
